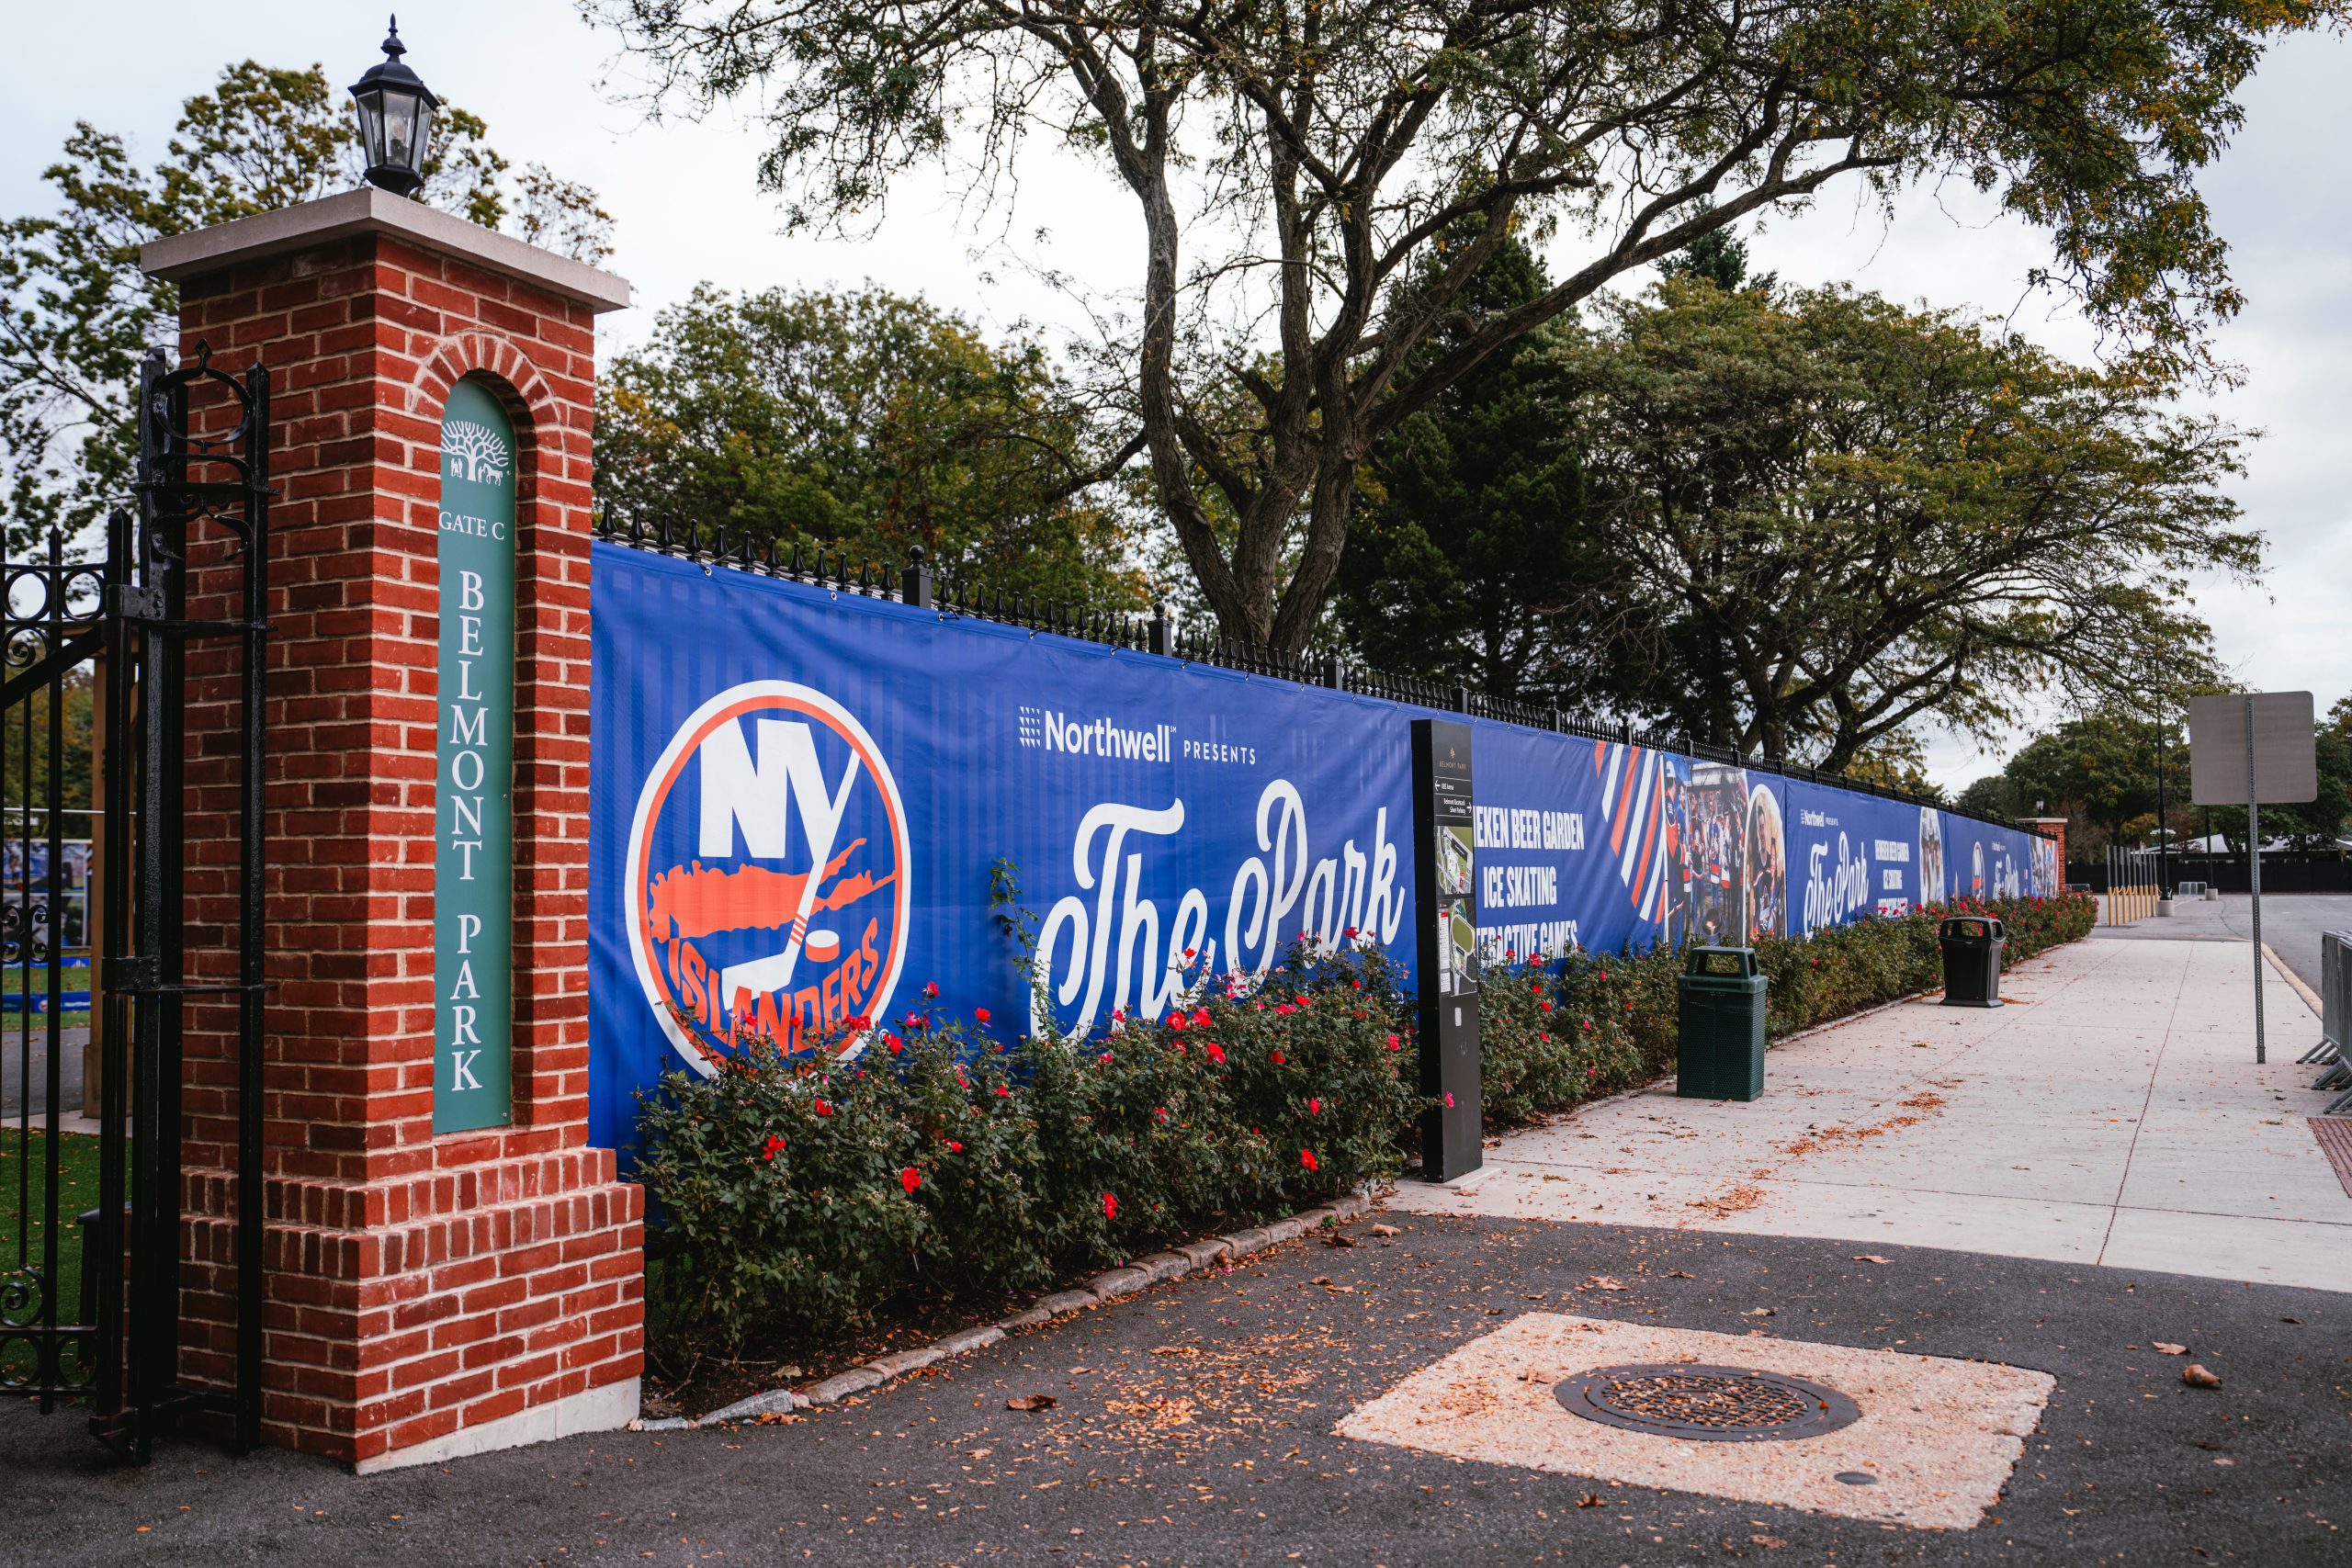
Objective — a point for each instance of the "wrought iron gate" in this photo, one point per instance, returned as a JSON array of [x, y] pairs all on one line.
[[93, 922]]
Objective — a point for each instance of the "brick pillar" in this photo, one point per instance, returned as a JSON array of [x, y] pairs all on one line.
[[428, 1295]]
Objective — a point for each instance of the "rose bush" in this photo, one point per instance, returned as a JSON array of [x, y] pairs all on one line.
[[792, 1193], [799, 1192]]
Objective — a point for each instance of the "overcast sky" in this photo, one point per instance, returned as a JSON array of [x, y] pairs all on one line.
[[688, 209]]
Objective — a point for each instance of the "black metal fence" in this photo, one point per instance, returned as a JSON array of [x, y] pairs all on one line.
[[91, 1308], [2229, 874], [915, 583]]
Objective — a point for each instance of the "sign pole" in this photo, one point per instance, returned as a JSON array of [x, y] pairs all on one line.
[[2254, 878]]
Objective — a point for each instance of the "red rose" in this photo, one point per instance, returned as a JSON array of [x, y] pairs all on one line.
[[1313, 1106], [1307, 1158], [910, 1178], [1110, 1207], [823, 1108], [931, 989], [1200, 1017], [1176, 1021], [1391, 1043], [1449, 1100], [772, 1147], [1217, 1053], [953, 1148], [980, 1014], [1278, 1058]]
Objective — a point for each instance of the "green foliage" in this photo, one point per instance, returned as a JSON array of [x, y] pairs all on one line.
[[1288, 163], [797, 1192], [1471, 519], [794, 1194], [77, 313], [2100, 772], [1831, 516], [864, 422], [1538, 1055], [76, 712]]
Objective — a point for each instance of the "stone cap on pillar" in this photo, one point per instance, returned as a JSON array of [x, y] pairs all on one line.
[[369, 210]]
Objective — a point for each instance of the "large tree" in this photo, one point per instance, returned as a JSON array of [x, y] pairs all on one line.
[[864, 422], [77, 313], [1832, 516], [1471, 517], [1291, 160]]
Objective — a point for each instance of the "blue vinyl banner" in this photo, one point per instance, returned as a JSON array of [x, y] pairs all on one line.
[[806, 807], [801, 803]]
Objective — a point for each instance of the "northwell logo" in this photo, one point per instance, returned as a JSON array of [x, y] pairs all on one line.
[[1044, 729]]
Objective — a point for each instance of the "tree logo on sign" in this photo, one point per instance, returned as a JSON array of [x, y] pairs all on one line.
[[476, 452]]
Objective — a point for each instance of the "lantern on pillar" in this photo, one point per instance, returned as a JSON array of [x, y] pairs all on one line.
[[395, 119]]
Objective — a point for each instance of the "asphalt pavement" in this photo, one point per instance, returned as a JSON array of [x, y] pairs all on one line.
[[1194, 1424], [2291, 924]]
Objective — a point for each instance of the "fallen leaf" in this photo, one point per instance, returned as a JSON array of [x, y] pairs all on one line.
[[1769, 1542], [1870, 1257], [1031, 1401], [2196, 1376], [1760, 1311], [2163, 1349], [1603, 1282], [1338, 1238], [1386, 1230], [2290, 1320], [1175, 1349], [980, 1453], [1589, 1500], [1320, 1280], [2223, 1459], [1683, 1274]]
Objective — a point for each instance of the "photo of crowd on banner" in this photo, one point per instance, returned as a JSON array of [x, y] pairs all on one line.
[[1727, 861]]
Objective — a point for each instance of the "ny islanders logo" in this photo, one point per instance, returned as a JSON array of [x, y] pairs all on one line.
[[767, 875]]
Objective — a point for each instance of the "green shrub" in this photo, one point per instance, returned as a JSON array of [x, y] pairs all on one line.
[[1542, 1047], [797, 1193], [794, 1192]]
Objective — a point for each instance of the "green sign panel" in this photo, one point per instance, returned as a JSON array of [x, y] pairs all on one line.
[[473, 859]]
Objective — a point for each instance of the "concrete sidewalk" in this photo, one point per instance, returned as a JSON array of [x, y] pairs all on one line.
[[2112, 1114]]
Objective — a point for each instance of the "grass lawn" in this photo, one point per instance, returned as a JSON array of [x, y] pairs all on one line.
[[77, 1168]]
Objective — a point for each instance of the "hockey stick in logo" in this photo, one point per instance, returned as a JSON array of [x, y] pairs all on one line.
[[773, 973]]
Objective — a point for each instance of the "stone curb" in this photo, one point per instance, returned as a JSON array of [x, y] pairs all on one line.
[[1113, 1284]]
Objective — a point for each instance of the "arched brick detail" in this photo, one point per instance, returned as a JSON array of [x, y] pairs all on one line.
[[466, 353]]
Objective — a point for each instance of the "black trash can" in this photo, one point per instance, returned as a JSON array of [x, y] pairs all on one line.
[[1972, 947], [1719, 1052]]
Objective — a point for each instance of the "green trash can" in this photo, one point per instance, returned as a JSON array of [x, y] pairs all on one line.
[[1720, 1044], [1972, 947]]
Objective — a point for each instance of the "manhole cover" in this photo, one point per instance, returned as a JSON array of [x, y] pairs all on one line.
[[1726, 1404]]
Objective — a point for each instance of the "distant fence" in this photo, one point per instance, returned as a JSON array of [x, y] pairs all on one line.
[[2228, 873]]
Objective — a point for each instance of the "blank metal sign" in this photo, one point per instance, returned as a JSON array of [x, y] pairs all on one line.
[[2286, 765]]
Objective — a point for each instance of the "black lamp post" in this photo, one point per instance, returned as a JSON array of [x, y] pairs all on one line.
[[395, 119]]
